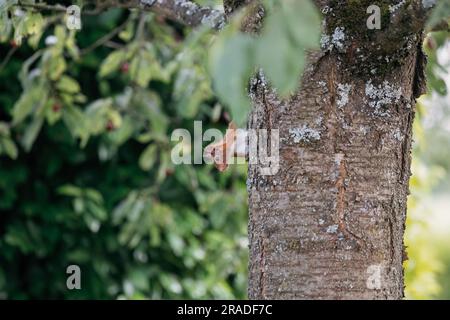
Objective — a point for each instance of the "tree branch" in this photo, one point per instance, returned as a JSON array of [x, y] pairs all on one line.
[[42, 6], [183, 11], [106, 38], [8, 57]]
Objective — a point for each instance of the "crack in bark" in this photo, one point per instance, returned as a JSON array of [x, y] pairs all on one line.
[[341, 202], [262, 263], [405, 170], [391, 230], [340, 183]]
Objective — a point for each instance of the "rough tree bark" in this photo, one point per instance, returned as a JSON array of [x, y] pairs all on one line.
[[330, 223]]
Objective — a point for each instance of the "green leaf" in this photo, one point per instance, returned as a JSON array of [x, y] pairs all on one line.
[[281, 49], [140, 71], [76, 123], [68, 84], [112, 63], [51, 115], [60, 34], [279, 60], [23, 107], [191, 88], [17, 237], [122, 209], [231, 64], [93, 195], [19, 27], [99, 113], [156, 70], [115, 117], [148, 157], [31, 133], [57, 68], [9, 148], [127, 33], [5, 25], [164, 164], [70, 190], [79, 205], [27, 103], [34, 27], [123, 132], [97, 211], [291, 28], [24, 76], [176, 243], [148, 104]]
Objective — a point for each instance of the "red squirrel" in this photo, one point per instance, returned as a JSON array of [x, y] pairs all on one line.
[[234, 144]]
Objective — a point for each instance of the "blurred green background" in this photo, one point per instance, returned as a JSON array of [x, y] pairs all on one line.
[[87, 179], [138, 226], [428, 225]]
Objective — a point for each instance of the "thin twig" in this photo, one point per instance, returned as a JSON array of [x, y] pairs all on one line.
[[113, 45], [53, 19], [104, 39], [59, 8], [42, 6], [141, 27], [8, 57]]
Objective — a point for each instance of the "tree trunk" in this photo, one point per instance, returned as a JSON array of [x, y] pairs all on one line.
[[330, 223]]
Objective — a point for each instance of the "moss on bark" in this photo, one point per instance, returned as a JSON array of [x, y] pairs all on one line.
[[374, 52]]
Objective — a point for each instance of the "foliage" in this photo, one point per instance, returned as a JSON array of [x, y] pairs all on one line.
[[92, 183]]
